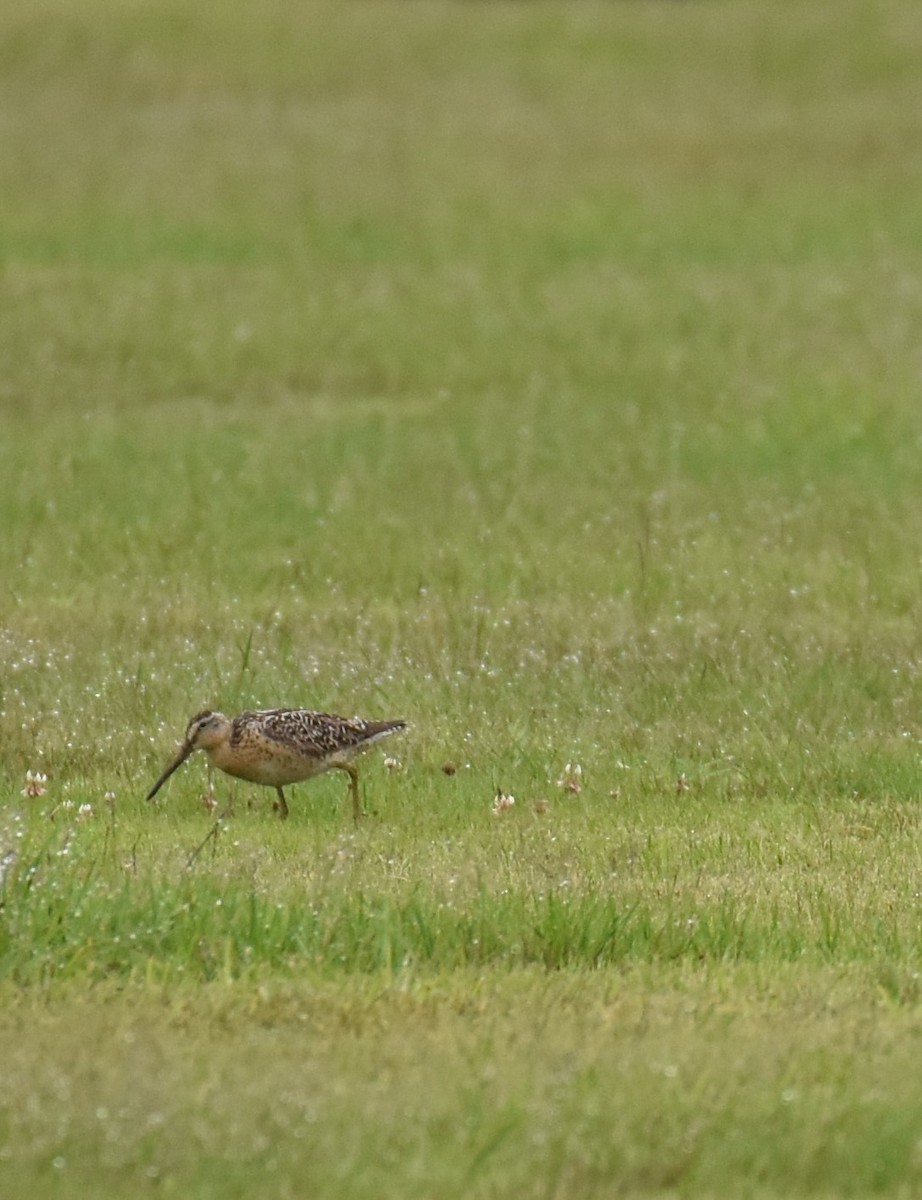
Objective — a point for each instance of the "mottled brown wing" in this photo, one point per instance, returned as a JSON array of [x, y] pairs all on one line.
[[314, 733]]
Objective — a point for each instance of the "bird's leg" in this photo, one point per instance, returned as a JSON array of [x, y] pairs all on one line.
[[354, 787], [281, 805]]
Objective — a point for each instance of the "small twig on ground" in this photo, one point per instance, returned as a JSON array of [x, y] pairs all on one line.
[[211, 834]]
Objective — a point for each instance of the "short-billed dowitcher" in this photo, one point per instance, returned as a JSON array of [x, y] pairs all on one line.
[[278, 746]]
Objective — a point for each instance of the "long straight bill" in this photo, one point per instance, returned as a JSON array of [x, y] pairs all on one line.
[[177, 762]]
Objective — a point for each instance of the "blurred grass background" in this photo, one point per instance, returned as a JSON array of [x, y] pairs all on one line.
[[546, 374]]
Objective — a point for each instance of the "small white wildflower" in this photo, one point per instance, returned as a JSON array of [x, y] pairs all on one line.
[[35, 784], [392, 764], [572, 779], [502, 802], [85, 811], [6, 862]]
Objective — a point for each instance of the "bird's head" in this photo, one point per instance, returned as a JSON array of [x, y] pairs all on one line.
[[206, 730]]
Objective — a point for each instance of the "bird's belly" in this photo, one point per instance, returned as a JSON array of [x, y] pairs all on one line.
[[270, 769]]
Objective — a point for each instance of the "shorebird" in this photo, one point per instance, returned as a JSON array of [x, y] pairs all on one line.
[[278, 746]]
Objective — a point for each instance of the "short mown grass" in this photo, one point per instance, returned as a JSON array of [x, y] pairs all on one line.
[[546, 375]]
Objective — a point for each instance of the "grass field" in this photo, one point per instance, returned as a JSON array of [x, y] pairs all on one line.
[[547, 375]]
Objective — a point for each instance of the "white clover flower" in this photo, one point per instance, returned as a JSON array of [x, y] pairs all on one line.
[[502, 802], [572, 779], [35, 784]]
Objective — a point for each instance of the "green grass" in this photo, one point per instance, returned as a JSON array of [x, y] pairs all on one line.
[[547, 375]]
